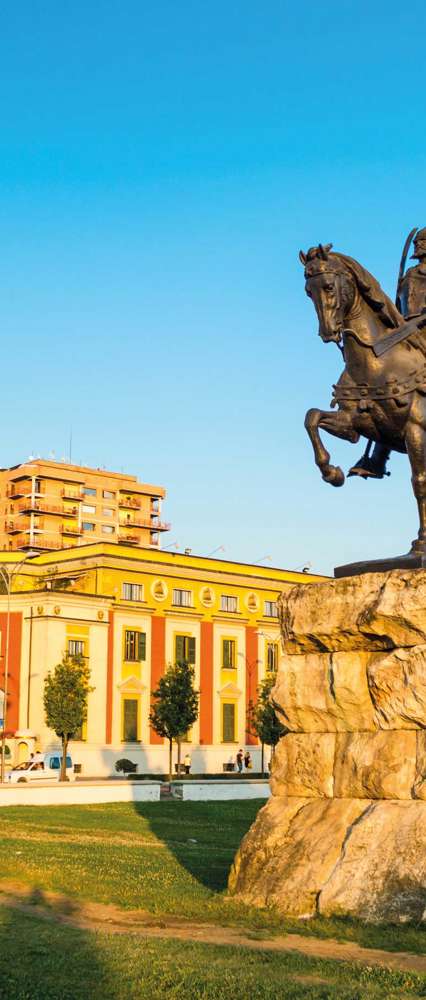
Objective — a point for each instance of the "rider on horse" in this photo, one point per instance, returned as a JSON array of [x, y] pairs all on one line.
[[411, 302]]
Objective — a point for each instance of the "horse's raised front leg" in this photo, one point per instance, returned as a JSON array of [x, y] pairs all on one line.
[[339, 424]]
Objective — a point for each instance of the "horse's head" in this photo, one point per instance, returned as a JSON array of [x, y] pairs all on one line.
[[331, 287]]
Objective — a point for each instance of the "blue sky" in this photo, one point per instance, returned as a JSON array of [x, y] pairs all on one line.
[[161, 164]]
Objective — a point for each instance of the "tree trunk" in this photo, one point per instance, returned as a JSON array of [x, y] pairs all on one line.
[[63, 774], [262, 766], [170, 759], [179, 743]]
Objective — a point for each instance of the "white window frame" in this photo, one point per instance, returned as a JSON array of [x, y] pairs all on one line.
[[229, 603], [135, 589], [182, 598]]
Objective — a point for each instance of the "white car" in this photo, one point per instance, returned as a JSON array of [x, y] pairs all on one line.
[[41, 767]]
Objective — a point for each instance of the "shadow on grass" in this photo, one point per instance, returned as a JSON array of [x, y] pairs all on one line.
[[43, 960], [202, 836]]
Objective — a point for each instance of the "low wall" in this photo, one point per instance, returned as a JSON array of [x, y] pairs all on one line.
[[78, 793], [95, 792], [205, 791]]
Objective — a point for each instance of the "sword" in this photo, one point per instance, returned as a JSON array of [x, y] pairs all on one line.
[[407, 245], [406, 329]]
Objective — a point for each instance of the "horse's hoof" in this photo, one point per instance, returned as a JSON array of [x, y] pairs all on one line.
[[334, 475]]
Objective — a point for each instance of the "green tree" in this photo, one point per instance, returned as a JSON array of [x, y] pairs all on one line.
[[263, 721], [65, 700], [175, 706]]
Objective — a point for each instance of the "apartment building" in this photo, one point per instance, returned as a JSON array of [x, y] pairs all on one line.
[[131, 612], [47, 505]]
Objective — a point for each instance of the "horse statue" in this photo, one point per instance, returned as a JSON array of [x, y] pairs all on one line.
[[381, 394]]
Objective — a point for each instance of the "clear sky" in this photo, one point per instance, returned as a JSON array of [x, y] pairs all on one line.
[[161, 165]]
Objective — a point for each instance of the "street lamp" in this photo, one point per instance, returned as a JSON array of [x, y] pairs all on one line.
[[7, 577]]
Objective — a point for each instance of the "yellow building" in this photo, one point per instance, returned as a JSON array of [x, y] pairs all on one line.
[[48, 505], [131, 612]]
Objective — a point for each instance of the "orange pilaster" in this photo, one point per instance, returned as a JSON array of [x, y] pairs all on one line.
[[206, 683], [14, 666], [158, 658], [251, 674], [109, 679]]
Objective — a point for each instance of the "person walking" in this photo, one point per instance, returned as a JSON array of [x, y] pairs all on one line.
[[240, 759], [187, 763], [248, 761]]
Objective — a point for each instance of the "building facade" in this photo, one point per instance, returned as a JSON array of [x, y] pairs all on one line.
[[131, 612], [46, 506]]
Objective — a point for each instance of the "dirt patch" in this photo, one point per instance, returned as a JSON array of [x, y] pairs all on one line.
[[111, 920]]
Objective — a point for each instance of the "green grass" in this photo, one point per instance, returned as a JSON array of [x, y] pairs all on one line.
[[141, 856], [41, 961]]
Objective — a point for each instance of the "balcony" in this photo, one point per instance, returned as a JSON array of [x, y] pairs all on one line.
[[141, 522], [15, 490], [71, 493], [71, 529], [131, 503], [38, 542], [17, 525], [45, 507], [129, 539]]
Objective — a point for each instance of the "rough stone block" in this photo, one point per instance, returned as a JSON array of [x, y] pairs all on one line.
[[290, 872], [375, 611], [397, 684], [375, 765], [303, 765], [325, 692], [381, 874]]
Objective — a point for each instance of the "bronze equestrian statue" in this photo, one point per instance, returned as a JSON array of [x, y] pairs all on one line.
[[381, 394]]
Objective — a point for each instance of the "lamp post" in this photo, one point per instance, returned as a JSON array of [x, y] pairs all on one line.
[[7, 577]]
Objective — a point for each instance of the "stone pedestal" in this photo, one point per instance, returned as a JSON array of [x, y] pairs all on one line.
[[345, 830]]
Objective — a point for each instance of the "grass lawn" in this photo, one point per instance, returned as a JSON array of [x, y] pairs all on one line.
[[168, 858], [39, 961]]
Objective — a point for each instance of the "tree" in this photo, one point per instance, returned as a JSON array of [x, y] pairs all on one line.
[[263, 721], [175, 706], [65, 700]]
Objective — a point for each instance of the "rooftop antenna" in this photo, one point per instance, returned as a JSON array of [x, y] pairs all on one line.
[[220, 548], [303, 568], [70, 444]]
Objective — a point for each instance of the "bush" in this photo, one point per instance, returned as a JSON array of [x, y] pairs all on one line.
[[126, 766]]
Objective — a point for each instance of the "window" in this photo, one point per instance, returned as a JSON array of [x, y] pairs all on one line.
[[182, 598], [107, 495], [132, 592], [154, 538], [37, 486], [228, 654], [107, 512], [272, 656], [184, 649], [89, 491], [130, 720], [228, 603], [75, 647], [88, 526], [228, 723], [108, 529], [271, 609], [88, 508], [134, 646]]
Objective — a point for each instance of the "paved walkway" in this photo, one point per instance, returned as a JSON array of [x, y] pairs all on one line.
[[111, 920]]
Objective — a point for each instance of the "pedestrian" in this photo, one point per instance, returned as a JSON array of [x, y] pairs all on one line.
[[240, 758], [187, 763], [248, 761]]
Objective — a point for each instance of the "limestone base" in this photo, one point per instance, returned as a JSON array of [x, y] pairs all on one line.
[[336, 857], [344, 833]]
